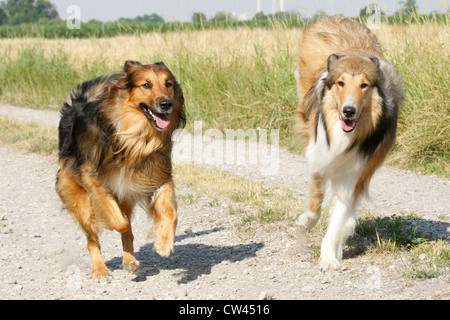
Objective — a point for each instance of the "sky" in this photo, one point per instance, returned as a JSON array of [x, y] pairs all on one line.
[[182, 10]]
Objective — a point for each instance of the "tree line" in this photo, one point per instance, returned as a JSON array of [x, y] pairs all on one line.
[[15, 12]]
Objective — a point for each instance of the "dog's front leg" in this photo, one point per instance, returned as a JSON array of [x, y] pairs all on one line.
[[341, 224], [129, 262], [310, 217], [105, 205], [164, 212]]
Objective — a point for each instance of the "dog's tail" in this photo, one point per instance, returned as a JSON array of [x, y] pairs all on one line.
[[92, 90], [81, 95]]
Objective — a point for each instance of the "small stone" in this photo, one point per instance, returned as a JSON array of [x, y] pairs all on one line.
[[181, 293], [265, 295]]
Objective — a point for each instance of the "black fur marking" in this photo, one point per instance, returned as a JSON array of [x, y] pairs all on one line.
[[386, 123], [320, 114], [81, 116]]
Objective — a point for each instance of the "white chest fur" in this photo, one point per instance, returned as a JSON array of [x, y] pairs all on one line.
[[333, 161]]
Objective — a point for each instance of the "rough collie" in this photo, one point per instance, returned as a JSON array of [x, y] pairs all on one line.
[[349, 99], [115, 152]]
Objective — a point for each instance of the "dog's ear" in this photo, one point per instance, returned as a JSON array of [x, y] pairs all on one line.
[[332, 59], [377, 63], [161, 64], [130, 65]]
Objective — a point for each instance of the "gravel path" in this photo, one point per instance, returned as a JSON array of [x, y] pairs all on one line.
[[43, 253]]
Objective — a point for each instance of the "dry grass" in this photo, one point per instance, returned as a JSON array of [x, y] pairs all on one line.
[[223, 45]]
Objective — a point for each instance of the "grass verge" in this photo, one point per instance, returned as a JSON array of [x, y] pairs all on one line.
[[249, 199], [391, 236], [29, 137]]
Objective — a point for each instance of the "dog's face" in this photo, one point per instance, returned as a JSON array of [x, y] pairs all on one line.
[[351, 80], [154, 90]]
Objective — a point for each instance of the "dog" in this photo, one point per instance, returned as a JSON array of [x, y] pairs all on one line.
[[349, 101], [115, 143]]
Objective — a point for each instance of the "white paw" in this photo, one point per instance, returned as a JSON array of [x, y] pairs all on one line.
[[329, 258], [308, 219], [329, 264]]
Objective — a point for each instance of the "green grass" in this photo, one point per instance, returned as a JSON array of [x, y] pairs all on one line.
[[38, 79], [388, 234], [383, 239], [248, 199], [423, 142], [391, 236], [29, 137], [244, 92]]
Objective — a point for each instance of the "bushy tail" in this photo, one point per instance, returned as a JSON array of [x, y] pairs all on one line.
[[81, 94], [92, 90]]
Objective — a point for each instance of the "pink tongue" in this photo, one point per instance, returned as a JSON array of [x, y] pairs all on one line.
[[162, 121], [347, 125]]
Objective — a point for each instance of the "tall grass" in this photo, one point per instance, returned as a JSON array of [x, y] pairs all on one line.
[[243, 78], [422, 58]]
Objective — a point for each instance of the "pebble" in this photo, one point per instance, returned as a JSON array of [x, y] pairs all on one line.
[[265, 295]]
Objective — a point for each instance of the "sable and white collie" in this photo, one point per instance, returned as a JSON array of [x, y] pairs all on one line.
[[349, 99]]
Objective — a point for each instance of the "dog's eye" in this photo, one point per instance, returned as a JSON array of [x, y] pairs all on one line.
[[147, 85], [169, 84], [364, 85], [341, 83]]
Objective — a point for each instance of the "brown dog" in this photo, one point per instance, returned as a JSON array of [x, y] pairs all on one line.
[[349, 100], [115, 152]]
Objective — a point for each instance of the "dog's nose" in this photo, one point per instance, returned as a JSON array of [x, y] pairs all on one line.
[[166, 104], [349, 111]]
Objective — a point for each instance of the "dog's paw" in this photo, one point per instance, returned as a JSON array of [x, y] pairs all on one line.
[[329, 264], [308, 220], [100, 273], [164, 247], [131, 266]]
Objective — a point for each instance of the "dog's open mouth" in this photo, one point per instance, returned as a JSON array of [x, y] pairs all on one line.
[[160, 121], [348, 125]]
